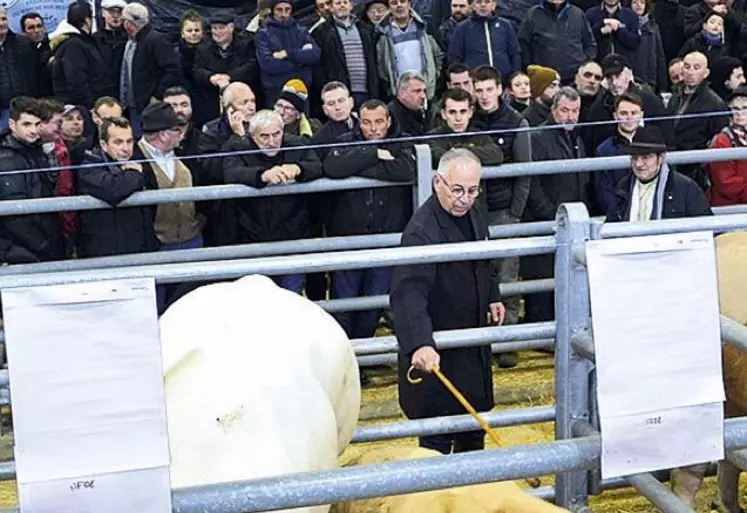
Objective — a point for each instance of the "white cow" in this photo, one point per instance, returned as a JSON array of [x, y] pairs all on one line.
[[259, 382]]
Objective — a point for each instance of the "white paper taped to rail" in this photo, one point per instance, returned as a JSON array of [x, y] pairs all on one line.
[[655, 319], [84, 363]]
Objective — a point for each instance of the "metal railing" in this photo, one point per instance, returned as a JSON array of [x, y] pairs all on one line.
[[574, 456]]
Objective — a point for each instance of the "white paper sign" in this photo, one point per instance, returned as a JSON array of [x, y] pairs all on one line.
[[88, 399], [655, 319]]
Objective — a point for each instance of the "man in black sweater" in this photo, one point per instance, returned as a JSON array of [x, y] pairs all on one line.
[[369, 211]]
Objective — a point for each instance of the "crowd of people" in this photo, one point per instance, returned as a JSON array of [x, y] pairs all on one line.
[[121, 108]]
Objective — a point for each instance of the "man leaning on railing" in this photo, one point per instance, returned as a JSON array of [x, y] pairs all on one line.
[[276, 159]]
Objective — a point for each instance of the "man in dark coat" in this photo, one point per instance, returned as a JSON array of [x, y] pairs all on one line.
[[653, 190], [80, 73], [615, 28], [116, 231], [408, 108], [285, 51], [149, 64], [19, 67], [506, 198], [557, 34], [34, 237], [282, 159], [349, 54], [33, 28], [228, 56], [452, 295], [369, 211], [112, 37], [485, 39], [693, 98], [559, 141]]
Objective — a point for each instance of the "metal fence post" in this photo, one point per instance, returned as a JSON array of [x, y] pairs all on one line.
[[423, 185], [573, 316]]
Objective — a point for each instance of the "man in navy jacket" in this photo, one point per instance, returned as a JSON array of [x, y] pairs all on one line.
[[285, 50], [484, 39], [615, 28]]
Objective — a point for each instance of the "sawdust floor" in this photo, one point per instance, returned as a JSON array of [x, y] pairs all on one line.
[[529, 384]]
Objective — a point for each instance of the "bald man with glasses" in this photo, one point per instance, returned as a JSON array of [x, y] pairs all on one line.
[[427, 298]]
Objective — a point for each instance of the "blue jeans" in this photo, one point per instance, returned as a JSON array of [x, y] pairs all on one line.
[[358, 283], [165, 293], [292, 282], [4, 118]]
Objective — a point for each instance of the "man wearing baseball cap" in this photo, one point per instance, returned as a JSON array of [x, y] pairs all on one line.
[[112, 37], [618, 73]]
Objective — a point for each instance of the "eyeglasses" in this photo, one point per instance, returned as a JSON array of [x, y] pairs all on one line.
[[589, 74], [458, 191]]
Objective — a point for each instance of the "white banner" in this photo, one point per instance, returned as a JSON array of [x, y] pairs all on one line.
[[52, 11]]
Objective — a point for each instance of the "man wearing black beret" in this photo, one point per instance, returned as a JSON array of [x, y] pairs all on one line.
[[654, 191], [176, 224]]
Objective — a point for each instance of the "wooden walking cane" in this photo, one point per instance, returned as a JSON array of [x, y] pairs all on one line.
[[534, 482]]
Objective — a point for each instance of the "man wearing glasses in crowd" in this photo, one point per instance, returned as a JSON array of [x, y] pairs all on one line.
[[452, 295]]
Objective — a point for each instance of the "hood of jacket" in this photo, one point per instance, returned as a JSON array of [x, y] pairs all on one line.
[[63, 29]]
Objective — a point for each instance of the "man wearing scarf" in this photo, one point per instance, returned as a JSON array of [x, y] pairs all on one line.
[[653, 191]]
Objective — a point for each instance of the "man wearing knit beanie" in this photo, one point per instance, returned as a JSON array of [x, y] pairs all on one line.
[[726, 75], [543, 84], [285, 51], [292, 104]]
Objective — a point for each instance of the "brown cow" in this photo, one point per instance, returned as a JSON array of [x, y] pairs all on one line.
[[731, 258], [505, 497]]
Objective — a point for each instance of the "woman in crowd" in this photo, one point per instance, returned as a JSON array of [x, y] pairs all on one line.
[[649, 62], [518, 91]]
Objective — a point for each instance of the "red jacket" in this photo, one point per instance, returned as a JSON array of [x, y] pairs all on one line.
[[728, 178]]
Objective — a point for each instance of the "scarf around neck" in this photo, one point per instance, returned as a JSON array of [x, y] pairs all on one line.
[[710, 39]]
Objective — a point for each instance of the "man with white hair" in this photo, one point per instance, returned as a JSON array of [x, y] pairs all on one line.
[[451, 295], [149, 64], [281, 159]]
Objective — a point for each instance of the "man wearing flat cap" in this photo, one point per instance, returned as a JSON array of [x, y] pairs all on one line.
[[654, 191], [176, 224], [227, 57]]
